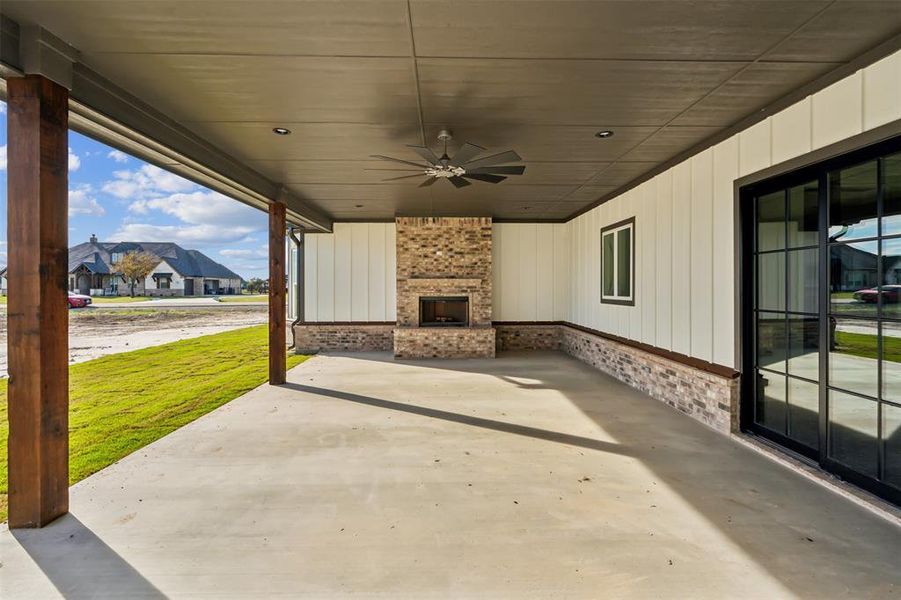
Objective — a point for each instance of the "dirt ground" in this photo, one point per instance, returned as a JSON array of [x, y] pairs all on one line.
[[95, 332]]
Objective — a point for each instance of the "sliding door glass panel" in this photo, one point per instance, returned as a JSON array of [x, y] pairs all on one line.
[[803, 412], [804, 347], [852, 202], [853, 279], [853, 364], [891, 278], [803, 280], [771, 342], [853, 431], [891, 433], [771, 401], [891, 361], [803, 215], [891, 203], [771, 281], [771, 222]]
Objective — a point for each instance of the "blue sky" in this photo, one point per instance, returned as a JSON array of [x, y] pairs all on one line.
[[121, 198]]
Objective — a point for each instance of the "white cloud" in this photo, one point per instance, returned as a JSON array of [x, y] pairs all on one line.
[[185, 235], [244, 253], [118, 156], [74, 161], [3, 157], [203, 208], [2, 108], [201, 217], [83, 202], [147, 182]]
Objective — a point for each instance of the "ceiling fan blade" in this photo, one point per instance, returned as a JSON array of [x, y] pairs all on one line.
[[458, 182], [406, 162], [513, 170], [466, 152], [404, 177], [428, 182], [485, 177], [495, 159], [424, 152]]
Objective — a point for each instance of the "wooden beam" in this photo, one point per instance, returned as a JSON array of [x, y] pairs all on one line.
[[277, 306], [37, 178]]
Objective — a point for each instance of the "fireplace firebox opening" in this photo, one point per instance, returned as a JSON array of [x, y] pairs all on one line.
[[443, 311]]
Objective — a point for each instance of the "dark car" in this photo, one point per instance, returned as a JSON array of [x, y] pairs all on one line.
[[890, 294], [78, 300]]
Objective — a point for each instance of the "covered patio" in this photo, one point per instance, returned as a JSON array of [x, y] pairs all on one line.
[[524, 476], [625, 290]]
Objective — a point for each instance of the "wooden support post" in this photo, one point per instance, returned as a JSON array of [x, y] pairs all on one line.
[[37, 177], [277, 306]]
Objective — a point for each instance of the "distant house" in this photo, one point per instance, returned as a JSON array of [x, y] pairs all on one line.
[[179, 272], [3, 281]]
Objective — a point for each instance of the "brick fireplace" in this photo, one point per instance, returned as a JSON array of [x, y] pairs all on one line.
[[444, 260]]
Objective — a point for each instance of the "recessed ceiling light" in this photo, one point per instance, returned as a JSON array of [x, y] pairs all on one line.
[[281, 131], [604, 134]]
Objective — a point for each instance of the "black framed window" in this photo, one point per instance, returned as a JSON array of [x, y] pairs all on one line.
[[618, 263], [822, 327]]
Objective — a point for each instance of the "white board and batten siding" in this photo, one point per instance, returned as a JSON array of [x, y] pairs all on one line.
[[350, 274], [684, 219], [531, 271]]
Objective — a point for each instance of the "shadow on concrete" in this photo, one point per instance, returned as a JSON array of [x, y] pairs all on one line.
[[810, 539], [69, 554], [502, 426]]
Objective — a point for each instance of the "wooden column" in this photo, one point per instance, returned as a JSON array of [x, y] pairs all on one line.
[[277, 306], [37, 177]]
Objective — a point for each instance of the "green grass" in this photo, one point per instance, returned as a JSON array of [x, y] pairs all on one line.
[[842, 295], [122, 402], [111, 299], [245, 298], [864, 345]]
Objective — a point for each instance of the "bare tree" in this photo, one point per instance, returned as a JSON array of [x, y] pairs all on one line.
[[135, 266]]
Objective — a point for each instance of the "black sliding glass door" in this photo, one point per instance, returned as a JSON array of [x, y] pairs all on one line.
[[823, 325]]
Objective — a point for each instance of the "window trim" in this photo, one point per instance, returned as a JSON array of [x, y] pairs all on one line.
[[613, 229]]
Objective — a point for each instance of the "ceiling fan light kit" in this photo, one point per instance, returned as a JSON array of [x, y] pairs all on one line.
[[462, 167]]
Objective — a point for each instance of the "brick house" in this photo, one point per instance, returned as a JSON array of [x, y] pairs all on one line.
[[179, 272]]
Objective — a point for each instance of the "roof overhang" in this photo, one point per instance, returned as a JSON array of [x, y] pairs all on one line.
[[101, 110]]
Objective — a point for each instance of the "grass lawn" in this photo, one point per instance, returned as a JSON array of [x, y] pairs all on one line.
[[245, 298], [842, 295], [108, 299], [122, 402], [864, 345]]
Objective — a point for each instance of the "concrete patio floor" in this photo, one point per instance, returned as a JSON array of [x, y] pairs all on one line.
[[531, 475]]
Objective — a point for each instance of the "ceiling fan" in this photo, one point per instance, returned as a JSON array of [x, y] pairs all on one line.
[[462, 167]]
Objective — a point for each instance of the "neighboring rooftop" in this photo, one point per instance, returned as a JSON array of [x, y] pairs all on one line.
[[97, 257]]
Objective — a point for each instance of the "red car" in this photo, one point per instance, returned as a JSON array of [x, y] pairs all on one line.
[[890, 294], [78, 300]]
